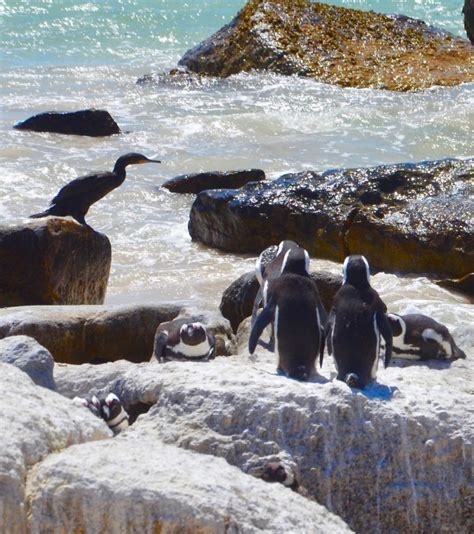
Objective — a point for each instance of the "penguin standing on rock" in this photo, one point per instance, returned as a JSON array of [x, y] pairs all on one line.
[[295, 311], [183, 340], [418, 337], [356, 321]]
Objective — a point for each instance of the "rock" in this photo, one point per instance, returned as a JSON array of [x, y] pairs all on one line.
[[468, 11], [396, 458], [324, 42], [82, 334], [137, 484], [35, 422], [404, 217], [197, 182], [238, 299], [91, 122], [29, 356], [464, 285], [53, 261]]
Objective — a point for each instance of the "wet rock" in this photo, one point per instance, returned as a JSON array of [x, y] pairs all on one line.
[[464, 285], [404, 217], [197, 182], [53, 261], [238, 299], [90, 122], [28, 355], [334, 45], [397, 457], [83, 334], [468, 11], [35, 422], [138, 484]]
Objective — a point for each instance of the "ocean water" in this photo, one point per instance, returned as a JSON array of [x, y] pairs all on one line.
[[68, 55]]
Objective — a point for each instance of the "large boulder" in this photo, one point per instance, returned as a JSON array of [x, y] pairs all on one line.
[[404, 217], [90, 122], [82, 334], [28, 355], [468, 11], [396, 457], [138, 484], [197, 182], [35, 422], [334, 45], [238, 299], [53, 261]]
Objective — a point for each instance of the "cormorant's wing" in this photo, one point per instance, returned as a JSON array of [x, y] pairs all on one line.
[[161, 339], [386, 332], [264, 319], [90, 183]]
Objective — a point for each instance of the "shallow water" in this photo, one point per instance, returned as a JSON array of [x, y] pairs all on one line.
[[72, 55]]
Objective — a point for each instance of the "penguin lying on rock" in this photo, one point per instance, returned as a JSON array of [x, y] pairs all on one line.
[[109, 409], [184, 341], [356, 321], [418, 337], [295, 311]]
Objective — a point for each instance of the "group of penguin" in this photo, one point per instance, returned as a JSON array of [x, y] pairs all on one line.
[[300, 328]]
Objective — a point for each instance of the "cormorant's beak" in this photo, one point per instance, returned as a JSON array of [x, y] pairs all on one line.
[[148, 160]]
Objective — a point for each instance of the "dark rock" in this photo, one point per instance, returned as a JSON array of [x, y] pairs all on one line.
[[29, 356], [91, 122], [81, 334], [197, 182], [237, 300], [334, 45], [468, 11], [53, 261], [404, 217], [464, 285]]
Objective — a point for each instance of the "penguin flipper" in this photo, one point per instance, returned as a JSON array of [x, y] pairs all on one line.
[[161, 339], [328, 331], [256, 305], [262, 321], [386, 332], [212, 351], [323, 315]]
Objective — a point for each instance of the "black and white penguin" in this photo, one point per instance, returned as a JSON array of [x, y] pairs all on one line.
[[113, 413], [356, 321], [278, 471], [418, 337], [297, 315], [183, 340], [92, 403]]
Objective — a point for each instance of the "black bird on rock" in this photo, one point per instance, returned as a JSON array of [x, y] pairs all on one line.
[[468, 11], [76, 197]]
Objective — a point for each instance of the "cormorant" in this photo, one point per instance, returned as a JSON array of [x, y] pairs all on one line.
[[468, 11], [76, 197]]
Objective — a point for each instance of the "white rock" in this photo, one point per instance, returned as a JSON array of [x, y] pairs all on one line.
[[34, 422], [137, 484]]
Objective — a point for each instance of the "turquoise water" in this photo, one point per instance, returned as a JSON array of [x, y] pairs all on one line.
[[69, 55]]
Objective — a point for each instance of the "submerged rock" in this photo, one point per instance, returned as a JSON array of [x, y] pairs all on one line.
[[335, 45], [35, 422], [468, 11], [53, 261], [138, 484], [404, 217], [90, 122], [28, 355], [197, 182]]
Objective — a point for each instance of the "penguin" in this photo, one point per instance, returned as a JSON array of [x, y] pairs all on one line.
[[113, 413], [297, 316], [109, 409], [418, 337], [272, 262], [277, 471], [183, 340], [356, 321]]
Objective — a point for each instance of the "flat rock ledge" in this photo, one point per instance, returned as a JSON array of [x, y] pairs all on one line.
[[200, 181], [397, 457], [89, 122], [53, 261], [403, 218], [336, 45]]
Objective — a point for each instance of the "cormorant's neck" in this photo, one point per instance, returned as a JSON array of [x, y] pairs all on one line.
[[119, 170]]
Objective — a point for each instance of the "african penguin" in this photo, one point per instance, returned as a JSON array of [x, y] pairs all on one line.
[[109, 409], [418, 337], [183, 340], [356, 321], [294, 309]]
